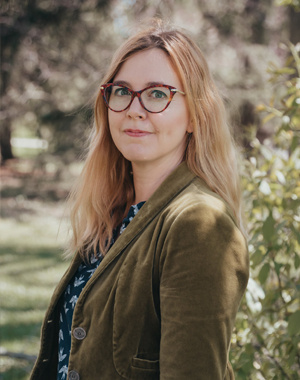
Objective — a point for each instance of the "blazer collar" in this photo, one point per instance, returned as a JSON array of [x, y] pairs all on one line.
[[178, 180]]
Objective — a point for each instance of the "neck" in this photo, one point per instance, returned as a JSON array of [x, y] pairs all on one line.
[[147, 179]]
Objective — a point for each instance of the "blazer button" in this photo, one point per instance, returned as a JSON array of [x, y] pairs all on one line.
[[73, 375], [79, 333]]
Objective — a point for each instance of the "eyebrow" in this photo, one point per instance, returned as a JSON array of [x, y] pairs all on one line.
[[127, 84]]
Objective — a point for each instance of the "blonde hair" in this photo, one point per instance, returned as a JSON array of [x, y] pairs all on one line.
[[104, 191]]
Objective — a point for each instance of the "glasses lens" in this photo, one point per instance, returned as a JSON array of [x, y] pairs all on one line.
[[155, 99], [118, 97]]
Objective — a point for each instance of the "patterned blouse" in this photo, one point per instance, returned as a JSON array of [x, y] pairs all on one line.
[[70, 297]]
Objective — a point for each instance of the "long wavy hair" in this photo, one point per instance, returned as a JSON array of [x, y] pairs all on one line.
[[104, 191]]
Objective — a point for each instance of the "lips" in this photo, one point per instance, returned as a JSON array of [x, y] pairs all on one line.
[[136, 132]]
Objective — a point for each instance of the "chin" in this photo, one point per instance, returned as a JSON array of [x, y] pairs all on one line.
[[137, 160], [135, 157]]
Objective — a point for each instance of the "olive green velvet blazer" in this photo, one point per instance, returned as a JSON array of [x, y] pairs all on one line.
[[162, 303]]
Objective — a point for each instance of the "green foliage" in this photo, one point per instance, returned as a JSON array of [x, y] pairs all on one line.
[[293, 3], [266, 343]]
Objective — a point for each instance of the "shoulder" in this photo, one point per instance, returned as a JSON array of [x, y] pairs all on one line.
[[202, 233], [199, 222], [199, 205]]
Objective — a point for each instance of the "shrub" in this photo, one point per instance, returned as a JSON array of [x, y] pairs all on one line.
[[267, 340]]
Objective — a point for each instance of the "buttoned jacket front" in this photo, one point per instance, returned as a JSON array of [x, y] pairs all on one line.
[[162, 303]]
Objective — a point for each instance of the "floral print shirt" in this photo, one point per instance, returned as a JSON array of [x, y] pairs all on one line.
[[70, 297]]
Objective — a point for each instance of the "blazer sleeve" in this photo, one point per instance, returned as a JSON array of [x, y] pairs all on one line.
[[203, 274]]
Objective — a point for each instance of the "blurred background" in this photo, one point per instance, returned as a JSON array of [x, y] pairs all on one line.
[[53, 56]]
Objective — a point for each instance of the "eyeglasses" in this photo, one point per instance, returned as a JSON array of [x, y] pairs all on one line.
[[154, 99]]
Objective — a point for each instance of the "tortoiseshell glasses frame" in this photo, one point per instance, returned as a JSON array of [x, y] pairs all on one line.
[[165, 101]]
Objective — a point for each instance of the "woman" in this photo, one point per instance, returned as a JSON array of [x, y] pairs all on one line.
[[161, 263]]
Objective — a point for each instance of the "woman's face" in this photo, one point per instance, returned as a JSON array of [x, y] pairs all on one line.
[[146, 138]]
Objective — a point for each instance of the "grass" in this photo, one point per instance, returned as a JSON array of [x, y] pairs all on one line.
[[31, 265]]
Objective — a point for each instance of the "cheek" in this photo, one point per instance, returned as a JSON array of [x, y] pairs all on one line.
[[175, 122]]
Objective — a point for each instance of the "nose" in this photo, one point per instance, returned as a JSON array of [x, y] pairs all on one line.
[[136, 111]]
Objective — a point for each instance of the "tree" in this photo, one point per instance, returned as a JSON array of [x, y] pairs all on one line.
[[32, 52]]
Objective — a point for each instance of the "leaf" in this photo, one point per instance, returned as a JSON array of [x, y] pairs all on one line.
[[289, 102], [264, 273], [268, 118], [285, 70], [280, 177], [296, 233], [295, 55], [294, 144], [266, 152], [268, 229], [277, 267], [256, 258], [260, 108], [245, 362], [291, 357], [294, 323], [264, 187]]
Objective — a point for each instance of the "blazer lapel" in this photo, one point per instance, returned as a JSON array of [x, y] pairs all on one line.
[[179, 179]]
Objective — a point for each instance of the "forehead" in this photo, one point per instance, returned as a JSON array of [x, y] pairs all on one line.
[[146, 67]]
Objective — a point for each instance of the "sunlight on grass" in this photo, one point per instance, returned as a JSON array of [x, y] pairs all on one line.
[[31, 265]]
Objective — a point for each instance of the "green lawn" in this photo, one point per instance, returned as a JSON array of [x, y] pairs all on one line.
[[31, 264]]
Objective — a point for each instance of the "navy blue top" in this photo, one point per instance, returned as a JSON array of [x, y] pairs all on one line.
[[71, 294]]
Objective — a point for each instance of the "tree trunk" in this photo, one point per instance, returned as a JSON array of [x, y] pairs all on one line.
[[294, 26], [5, 145]]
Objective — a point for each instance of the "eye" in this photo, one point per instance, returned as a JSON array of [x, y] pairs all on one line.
[[121, 91], [157, 94]]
